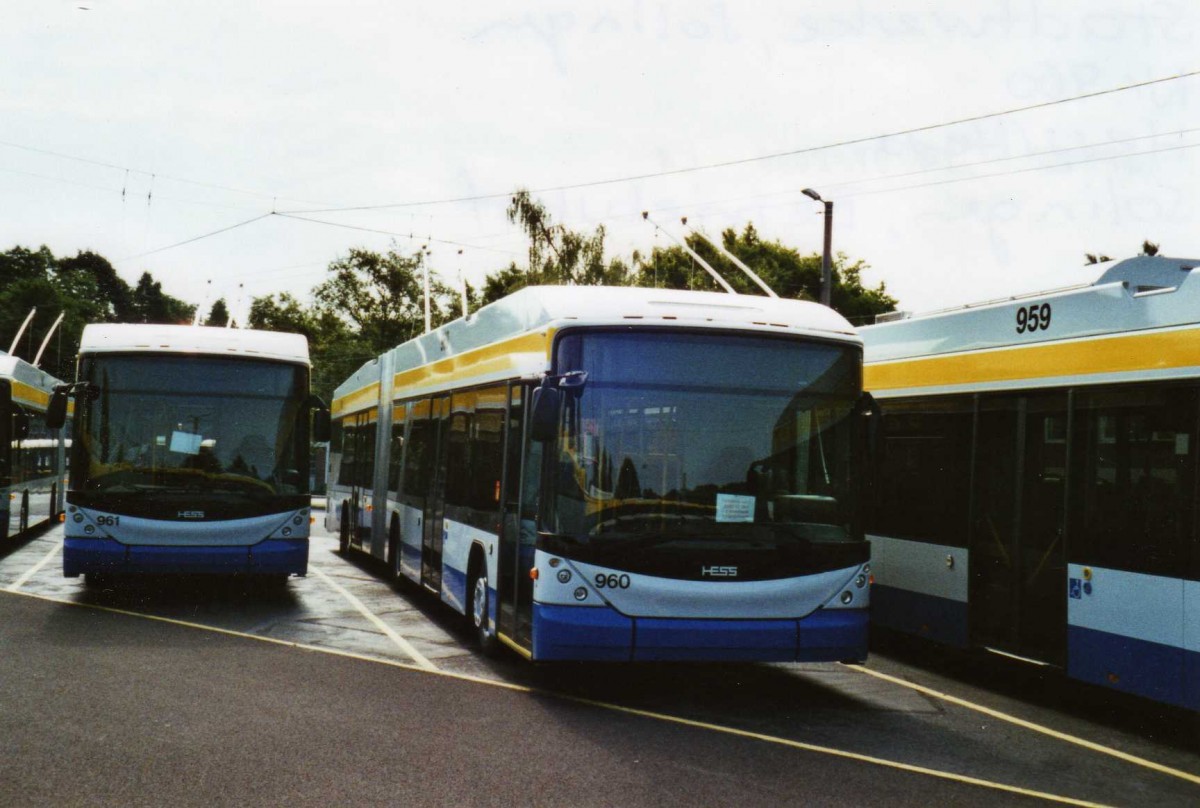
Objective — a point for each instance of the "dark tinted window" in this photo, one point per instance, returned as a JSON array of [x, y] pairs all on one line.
[[922, 481], [1134, 480]]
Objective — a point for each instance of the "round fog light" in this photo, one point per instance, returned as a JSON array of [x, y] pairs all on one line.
[[860, 581], [287, 531], [581, 594], [89, 529], [847, 596], [564, 576], [297, 520], [78, 517]]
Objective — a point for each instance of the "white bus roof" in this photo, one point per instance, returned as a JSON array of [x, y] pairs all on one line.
[[193, 339], [1140, 318], [518, 329], [30, 386]]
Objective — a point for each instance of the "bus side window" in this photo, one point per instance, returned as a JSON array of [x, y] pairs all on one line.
[[345, 474], [1134, 478]]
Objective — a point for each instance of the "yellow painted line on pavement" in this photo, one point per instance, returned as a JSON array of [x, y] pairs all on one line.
[[403, 644], [771, 739], [32, 571], [1029, 725]]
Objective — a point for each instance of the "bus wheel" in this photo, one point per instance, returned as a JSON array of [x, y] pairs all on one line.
[[479, 615], [393, 551], [344, 535]]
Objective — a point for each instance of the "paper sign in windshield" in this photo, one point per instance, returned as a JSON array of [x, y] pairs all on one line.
[[735, 508], [185, 443]]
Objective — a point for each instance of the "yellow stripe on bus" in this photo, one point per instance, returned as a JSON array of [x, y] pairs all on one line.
[[25, 394], [1158, 351], [356, 400], [480, 361]]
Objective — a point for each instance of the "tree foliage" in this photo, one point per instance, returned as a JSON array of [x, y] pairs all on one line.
[[784, 269], [557, 254], [84, 289], [382, 296]]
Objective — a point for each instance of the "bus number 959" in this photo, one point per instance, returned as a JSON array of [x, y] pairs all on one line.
[[1033, 318]]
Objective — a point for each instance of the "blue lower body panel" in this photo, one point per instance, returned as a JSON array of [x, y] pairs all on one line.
[[1160, 672], [592, 633], [271, 557], [940, 619]]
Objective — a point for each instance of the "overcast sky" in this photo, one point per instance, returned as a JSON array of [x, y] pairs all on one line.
[[130, 126]]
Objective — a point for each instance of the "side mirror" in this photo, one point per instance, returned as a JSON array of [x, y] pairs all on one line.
[[320, 419], [56, 412], [543, 421]]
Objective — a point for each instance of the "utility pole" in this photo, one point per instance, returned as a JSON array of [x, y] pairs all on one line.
[[827, 256]]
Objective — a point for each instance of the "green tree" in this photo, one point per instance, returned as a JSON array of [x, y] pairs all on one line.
[[557, 254], [115, 295], [218, 315], [382, 296], [784, 269], [150, 304]]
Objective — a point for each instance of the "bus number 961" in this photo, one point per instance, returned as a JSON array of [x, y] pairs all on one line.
[[1033, 318]]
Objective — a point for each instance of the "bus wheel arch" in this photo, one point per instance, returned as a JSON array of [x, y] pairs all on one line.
[[479, 601]]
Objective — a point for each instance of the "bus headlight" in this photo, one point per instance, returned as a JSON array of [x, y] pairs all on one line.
[[78, 517], [847, 596], [287, 531], [564, 576], [860, 581], [297, 520], [89, 529], [581, 593]]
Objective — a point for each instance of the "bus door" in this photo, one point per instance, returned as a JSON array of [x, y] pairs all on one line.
[[435, 504], [360, 448], [518, 534], [1018, 562]]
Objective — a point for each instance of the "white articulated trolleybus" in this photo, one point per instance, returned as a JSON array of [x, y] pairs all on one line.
[[1038, 488], [190, 451], [31, 454], [597, 473]]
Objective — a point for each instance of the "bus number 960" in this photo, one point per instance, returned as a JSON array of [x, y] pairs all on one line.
[[612, 581], [1033, 318]]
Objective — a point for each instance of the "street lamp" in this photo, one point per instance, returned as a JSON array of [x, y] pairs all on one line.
[[826, 272]]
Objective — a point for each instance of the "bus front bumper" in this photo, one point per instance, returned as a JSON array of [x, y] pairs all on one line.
[[269, 557], [591, 633]]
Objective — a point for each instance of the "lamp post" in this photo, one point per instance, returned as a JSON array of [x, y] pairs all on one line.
[[826, 271]]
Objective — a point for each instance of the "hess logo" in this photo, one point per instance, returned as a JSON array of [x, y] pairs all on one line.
[[190, 515], [718, 572]]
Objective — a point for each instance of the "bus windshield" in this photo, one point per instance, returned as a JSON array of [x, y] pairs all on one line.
[[710, 437], [205, 426]]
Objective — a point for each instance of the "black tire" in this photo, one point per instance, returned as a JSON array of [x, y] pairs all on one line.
[[479, 614], [393, 551], [344, 534]]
